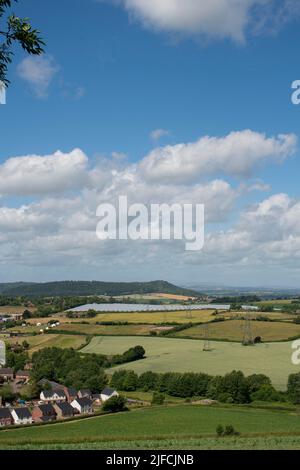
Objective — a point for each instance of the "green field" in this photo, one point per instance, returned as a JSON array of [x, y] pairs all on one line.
[[233, 330], [179, 422], [183, 355]]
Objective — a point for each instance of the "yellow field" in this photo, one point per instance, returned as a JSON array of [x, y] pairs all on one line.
[[233, 330], [48, 341], [93, 329], [197, 316], [18, 309]]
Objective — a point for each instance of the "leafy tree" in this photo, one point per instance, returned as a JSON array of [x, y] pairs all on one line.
[[293, 388], [256, 381], [130, 382], [267, 393], [220, 430], [7, 393], [158, 398], [115, 404], [16, 361], [148, 381], [16, 30]]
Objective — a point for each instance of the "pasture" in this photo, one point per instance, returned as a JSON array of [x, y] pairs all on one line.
[[93, 329], [187, 355], [180, 422], [233, 330]]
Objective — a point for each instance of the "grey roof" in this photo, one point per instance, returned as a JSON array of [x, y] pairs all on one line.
[[22, 413], [71, 391], [49, 393], [47, 409], [147, 307], [65, 408], [85, 391], [53, 385], [5, 413], [107, 391], [83, 402], [6, 371]]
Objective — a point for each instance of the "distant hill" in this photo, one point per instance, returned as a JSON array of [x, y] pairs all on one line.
[[74, 288]]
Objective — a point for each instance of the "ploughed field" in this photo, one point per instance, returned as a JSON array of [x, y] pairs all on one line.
[[178, 424], [184, 355]]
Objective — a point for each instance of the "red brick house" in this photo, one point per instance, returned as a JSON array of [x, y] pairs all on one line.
[[43, 413], [6, 418], [7, 374], [23, 375]]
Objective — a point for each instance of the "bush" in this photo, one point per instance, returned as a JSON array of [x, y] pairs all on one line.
[[266, 393], [220, 430], [158, 398], [115, 404]]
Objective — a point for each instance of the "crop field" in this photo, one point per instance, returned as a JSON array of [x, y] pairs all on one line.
[[47, 341], [14, 309], [93, 329], [196, 316], [180, 422], [187, 355], [233, 330]]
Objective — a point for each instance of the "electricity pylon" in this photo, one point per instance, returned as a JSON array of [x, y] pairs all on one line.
[[247, 333], [206, 346]]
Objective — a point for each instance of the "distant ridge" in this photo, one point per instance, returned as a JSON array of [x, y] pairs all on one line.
[[73, 288]]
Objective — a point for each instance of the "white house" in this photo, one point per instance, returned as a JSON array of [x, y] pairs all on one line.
[[21, 416], [53, 395], [107, 393], [83, 405]]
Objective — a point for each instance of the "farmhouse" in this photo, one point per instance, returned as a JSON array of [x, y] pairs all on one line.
[[107, 393], [5, 417], [83, 405], [21, 416], [52, 396], [64, 410], [23, 375], [43, 413], [7, 374]]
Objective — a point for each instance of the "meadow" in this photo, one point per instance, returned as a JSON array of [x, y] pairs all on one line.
[[173, 423], [233, 330], [184, 355]]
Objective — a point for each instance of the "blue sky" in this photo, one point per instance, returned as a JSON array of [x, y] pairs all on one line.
[[113, 75]]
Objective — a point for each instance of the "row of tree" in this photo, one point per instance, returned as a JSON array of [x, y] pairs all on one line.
[[234, 387]]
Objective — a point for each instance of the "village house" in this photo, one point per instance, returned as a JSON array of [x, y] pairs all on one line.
[[64, 410], [96, 398], [7, 374], [6, 418], [53, 396], [85, 393], [21, 416], [71, 394], [108, 393], [23, 375], [43, 413], [83, 405]]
